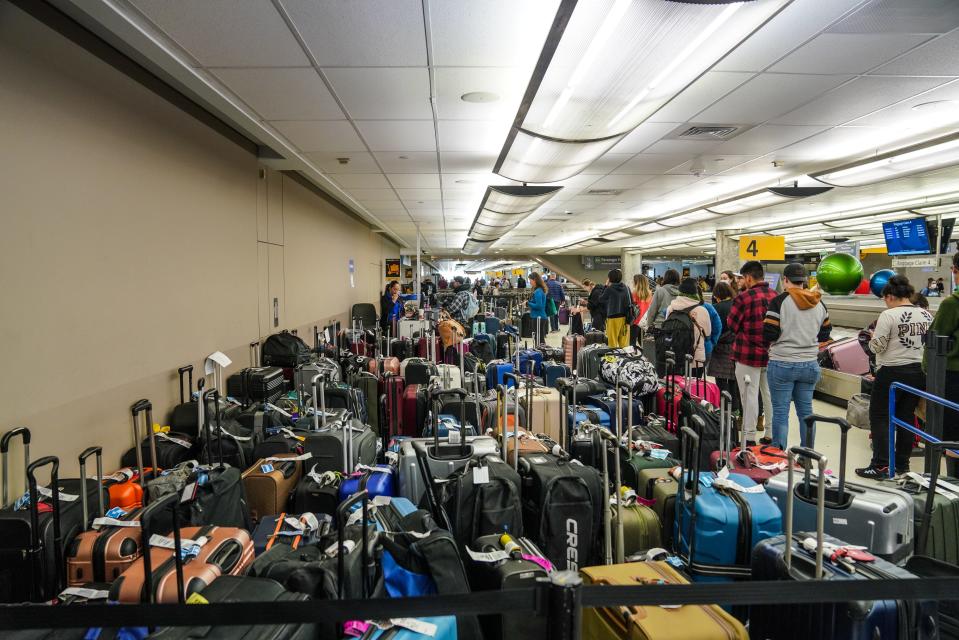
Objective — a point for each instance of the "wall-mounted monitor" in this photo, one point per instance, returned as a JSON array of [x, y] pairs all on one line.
[[906, 237]]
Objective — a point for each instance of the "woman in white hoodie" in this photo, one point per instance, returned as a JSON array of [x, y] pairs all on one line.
[[689, 300]]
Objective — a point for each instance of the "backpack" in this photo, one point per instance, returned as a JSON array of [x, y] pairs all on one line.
[[678, 335], [472, 306], [482, 347], [284, 350]]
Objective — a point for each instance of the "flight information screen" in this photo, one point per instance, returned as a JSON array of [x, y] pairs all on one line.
[[906, 237]]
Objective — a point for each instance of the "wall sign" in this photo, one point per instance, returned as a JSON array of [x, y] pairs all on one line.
[[601, 262], [392, 268], [408, 273], [352, 268], [762, 248], [903, 261]]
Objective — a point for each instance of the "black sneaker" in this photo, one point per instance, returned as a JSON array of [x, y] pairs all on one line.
[[873, 473]]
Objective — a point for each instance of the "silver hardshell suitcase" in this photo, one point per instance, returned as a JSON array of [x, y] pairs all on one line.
[[410, 478], [878, 518]]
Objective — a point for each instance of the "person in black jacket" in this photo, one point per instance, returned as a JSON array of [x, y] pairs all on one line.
[[617, 301], [597, 310]]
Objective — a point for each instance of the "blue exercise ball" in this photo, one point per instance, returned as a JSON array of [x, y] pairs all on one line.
[[879, 280]]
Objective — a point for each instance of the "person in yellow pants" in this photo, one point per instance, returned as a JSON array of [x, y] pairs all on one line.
[[618, 301]]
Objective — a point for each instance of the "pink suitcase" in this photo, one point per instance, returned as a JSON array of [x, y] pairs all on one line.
[[847, 356]]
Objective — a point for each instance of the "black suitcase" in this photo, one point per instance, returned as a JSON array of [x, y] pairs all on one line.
[[33, 543], [526, 326], [575, 389], [504, 345], [655, 431], [171, 448], [595, 337], [341, 445], [419, 371], [256, 384], [184, 416], [317, 493]]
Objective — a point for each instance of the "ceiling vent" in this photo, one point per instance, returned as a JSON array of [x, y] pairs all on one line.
[[604, 192], [708, 132]]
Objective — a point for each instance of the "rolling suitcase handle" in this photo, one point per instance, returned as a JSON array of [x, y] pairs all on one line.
[[214, 394], [342, 515], [36, 548], [726, 429], [170, 501], [604, 436], [24, 433], [145, 407], [671, 412], [432, 501], [843, 443], [255, 353], [529, 411], [89, 451], [807, 454], [620, 533], [319, 412], [692, 449], [188, 369]]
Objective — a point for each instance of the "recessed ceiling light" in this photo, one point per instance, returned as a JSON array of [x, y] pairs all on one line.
[[569, 213], [466, 182], [935, 104], [479, 96], [403, 157]]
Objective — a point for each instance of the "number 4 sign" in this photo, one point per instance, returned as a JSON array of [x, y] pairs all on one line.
[[762, 248]]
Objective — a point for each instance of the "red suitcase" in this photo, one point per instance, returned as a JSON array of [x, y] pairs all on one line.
[[423, 348], [394, 387], [411, 421]]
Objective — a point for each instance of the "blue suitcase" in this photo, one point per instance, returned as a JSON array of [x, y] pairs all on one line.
[[906, 620], [447, 423], [492, 325], [275, 529], [593, 415], [530, 361], [715, 527], [378, 481], [445, 629], [607, 402], [553, 372], [495, 371]]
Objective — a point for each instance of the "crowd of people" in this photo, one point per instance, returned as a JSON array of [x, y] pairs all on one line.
[[761, 347]]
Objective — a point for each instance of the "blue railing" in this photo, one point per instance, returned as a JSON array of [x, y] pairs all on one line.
[[912, 428]]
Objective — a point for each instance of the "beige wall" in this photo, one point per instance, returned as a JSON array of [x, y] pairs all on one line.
[[130, 246]]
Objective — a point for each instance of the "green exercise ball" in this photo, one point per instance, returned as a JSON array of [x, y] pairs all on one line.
[[839, 274]]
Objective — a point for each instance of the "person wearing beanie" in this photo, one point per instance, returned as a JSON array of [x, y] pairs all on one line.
[[689, 300], [618, 303], [795, 323]]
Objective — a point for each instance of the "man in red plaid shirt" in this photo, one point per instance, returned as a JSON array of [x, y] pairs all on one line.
[[750, 350]]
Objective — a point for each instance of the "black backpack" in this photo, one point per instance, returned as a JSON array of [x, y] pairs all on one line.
[[284, 349], [677, 335]]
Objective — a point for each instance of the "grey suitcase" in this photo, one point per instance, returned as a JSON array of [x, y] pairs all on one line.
[[304, 374], [878, 518], [588, 360]]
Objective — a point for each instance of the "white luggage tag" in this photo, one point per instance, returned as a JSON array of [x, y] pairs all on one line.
[[86, 594], [279, 410], [490, 557], [106, 521], [302, 456], [177, 441], [723, 481], [44, 492], [412, 624], [943, 488], [481, 474]]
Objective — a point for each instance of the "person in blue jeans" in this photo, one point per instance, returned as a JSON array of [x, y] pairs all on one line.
[[537, 306], [554, 290], [795, 323]]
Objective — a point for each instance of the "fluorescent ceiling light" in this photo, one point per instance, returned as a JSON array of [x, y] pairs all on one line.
[[607, 66], [502, 209], [764, 198], [692, 217], [926, 156], [618, 235], [934, 210], [650, 227]]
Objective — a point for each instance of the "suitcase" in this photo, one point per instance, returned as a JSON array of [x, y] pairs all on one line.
[[317, 492], [776, 559], [874, 516], [491, 325], [443, 459], [654, 432], [448, 423], [228, 551], [942, 541], [377, 480], [450, 376], [607, 402], [718, 525], [707, 423], [504, 562], [305, 373], [256, 384], [341, 446], [526, 325], [577, 388], [417, 370], [393, 390], [590, 359], [429, 350], [846, 356], [759, 462], [495, 372], [661, 487], [595, 337], [544, 411], [401, 348], [530, 362], [648, 348], [505, 345], [379, 367], [411, 328], [413, 411], [105, 551], [260, 591], [269, 483], [368, 386], [702, 622], [291, 530], [184, 415], [282, 441], [579, 414], [571, 345], [700, 388], [553, 372]]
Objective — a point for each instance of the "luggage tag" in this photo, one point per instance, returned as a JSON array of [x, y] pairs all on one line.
[[176, 441], [491, 557], [85, 593], [723, 481], [302, 456], [480, 475], [659, 454], [411, 624], [106, 521], [121, 475], [189, 491]]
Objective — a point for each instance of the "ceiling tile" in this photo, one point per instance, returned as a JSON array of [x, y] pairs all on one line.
[[711, 164], [359, 162], [407, 161], [915, 120], [380, 33], [488, 33], [935, 58], [374, 194], [362, 180], [834, 144], [450, 84], [768, 95], [414, 180], [790, 28], [651, 164], [607, 163], [381, 94], [847, 53], [902, 16], [766, 139], [470, 162], [857, 98], [224, 33], [682, 147], [703, 92], [320, 135], [399, 135], [282, 93], [418, 194], [472, 135], [621, 181], [643, 136]]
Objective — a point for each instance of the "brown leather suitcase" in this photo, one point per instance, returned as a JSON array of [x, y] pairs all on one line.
[[379, 367], [703, 622], [269, 483]]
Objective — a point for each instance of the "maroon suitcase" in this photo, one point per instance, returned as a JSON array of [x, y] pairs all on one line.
[[410, 422], [422, 349], [394, 387]]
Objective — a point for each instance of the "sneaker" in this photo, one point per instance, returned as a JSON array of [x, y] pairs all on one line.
[[873, 473], [901, 469]]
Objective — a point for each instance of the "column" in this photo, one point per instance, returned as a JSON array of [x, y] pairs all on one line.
[[632, 263], [727, 253]]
